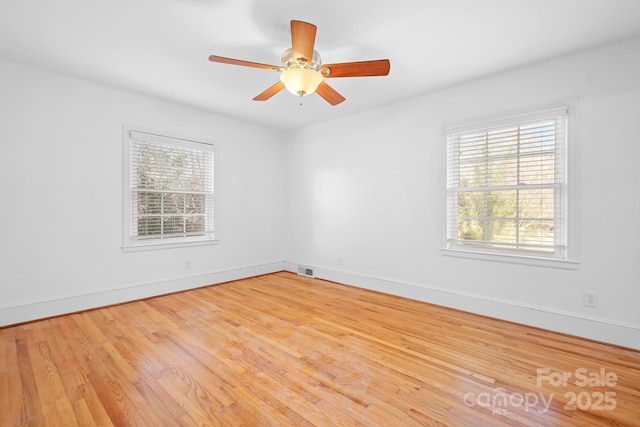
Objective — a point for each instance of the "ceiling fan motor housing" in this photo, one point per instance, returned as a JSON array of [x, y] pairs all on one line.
[[291, 59]]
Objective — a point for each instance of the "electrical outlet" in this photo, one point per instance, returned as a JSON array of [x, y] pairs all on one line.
[[339, 260], [590, 299], [187, 265]]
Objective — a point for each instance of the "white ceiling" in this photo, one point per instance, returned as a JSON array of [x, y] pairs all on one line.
[[161, 47]]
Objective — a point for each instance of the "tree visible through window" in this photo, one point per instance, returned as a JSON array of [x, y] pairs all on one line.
[[506, 186], [171, 189]]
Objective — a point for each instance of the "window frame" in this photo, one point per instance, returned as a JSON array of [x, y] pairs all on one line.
[[569, 260], [129, 243]]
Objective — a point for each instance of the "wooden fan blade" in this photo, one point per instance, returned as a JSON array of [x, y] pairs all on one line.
[[270, 92], [379, 67], [303, 38], [232, 61], [329, 94]]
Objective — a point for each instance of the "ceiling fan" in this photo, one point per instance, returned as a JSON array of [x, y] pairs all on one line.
[[301, 69]]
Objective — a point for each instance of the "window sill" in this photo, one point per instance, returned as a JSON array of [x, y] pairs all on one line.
[[513, 259], [167, 245]]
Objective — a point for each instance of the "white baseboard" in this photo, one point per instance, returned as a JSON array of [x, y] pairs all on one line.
[[33, 309], [590, 327], [576, 324]]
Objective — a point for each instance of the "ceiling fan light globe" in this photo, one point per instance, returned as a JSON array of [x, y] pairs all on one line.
[[301, 81]]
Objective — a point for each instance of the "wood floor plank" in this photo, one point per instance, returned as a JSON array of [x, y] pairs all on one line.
[[281, 349], [72, 343], [10, 382]]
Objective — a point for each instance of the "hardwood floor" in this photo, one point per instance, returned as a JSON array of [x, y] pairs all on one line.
[[287, 350]]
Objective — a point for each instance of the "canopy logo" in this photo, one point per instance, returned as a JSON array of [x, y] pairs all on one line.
[[499, 400]]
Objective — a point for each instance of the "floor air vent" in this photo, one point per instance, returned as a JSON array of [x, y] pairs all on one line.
[[305, 271]]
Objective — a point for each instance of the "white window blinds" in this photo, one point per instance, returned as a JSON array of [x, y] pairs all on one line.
[[171, 189], [506, 185]]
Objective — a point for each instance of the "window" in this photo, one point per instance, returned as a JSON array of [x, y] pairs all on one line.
[[169, 190], [507, 187]]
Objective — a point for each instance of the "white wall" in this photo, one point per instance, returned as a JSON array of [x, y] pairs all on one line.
[[61, 192], [370, 189]]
